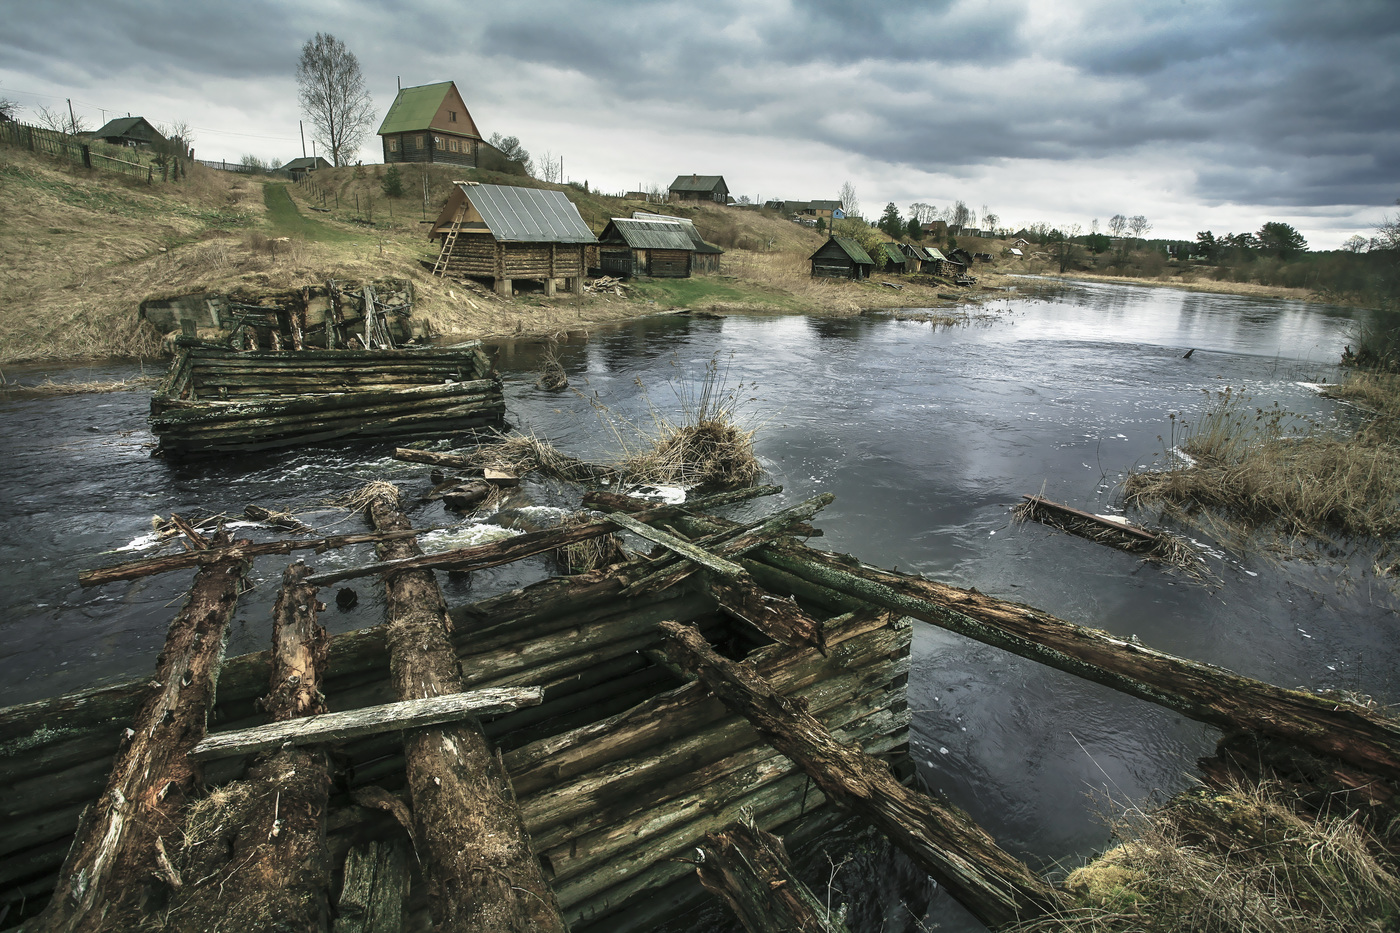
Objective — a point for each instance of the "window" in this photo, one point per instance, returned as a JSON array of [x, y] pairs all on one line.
[[452, 116], [393, 145], [418, 142], [437, 141]]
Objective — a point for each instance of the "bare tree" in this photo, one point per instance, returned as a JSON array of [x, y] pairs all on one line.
[[1117, 225], [61, 121], [1094, 226], [961, 215], [1355, 244], [849, 202], [549, 168], [8, 109], [1139, 226], [510, 148], [922, 212], [333, 96], [989, 220]]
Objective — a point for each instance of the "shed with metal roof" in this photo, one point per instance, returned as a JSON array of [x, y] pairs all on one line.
[[646, 247], [699, 188], [504, 233], [895, 260], [706, 257], [430, 123], [841, 257]]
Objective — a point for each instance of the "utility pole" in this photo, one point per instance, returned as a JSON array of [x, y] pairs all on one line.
[[302, 130], [72, 120]]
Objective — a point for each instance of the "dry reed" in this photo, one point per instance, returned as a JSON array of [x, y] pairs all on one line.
[[359, 499]]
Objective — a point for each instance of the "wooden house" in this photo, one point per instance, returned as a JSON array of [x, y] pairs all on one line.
[[646, 247], [504, 233], [135, 132], [828, 210], [706, 256], [699, 188], [841, 258], [916, 257], [896, 262], [300, 168], [936, 228], [430, 123]]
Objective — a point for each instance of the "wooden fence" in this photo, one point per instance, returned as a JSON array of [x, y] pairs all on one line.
[[54, 143]]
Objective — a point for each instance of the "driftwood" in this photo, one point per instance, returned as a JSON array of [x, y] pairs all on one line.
[[1199, 691], [480, 870], [122, 846], [992, 885], [352, 724], [264, 862], [781, 619], [751, 870]]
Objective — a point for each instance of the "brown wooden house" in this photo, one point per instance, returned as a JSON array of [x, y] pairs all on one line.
[[430, 123], [504, 233], [699, 188], [646, 247], [841, 258], [136, 132], [706, 255]]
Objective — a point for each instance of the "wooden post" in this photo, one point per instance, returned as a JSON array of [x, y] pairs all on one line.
[[995, 887], [481, 872], [751, 870], [269, 866], [120, 849]]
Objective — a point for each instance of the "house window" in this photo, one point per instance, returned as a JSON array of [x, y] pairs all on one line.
[[452, 116], [437, 141], [418, 142], [393, 145]]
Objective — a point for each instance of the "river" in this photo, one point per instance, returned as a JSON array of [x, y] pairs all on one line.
[[926, 435]]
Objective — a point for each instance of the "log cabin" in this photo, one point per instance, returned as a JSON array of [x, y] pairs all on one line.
[[917, 259], [504, 233], [134, 132], [841, 258], [699, 188], [895, 260], [300, 168], [646, 247], [430, 123], [706, 255]]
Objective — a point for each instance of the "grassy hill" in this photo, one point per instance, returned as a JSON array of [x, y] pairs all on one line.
[[80, 250]]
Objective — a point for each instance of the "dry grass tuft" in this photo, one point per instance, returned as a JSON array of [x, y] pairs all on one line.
[[360, 499], [50, 388], [1235, 861], [525, 453], [552, 375], [1265, 467]]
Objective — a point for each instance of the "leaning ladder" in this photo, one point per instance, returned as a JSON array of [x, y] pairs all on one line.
[[440, 268]]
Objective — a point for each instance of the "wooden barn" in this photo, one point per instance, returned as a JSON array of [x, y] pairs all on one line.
[[506, 233], [699, 188], [300, 168], [842, 258], [136, 132], [917, 259], [646, 247], [430, 124], [895, 261], [706, 256]]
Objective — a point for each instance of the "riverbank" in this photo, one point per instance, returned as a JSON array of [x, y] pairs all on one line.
[[1188, 282]]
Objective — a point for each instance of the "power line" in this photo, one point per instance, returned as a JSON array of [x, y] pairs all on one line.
[[91, 106]]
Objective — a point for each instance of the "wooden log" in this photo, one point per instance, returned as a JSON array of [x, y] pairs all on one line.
[[995, 887], [212, 410], [1200, 691], [679, 546], [266, 862], [349, 724], [751, 871], [113, 865], [481, 872], [375, 889], [778, 618], [243, 550]]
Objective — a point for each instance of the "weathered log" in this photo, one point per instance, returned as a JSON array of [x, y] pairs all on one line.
[[990, 883], [480, 870], [503, 552], [1200, 691], [214, 410], [751, 870], [465, 495], [779, 618], [265, 861], [375, 889], [349, 724], [243, 550], [113, 865], [679, 546]]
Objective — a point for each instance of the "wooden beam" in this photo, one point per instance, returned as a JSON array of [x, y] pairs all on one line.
[[751, 870], [679, 546], [372, 720]]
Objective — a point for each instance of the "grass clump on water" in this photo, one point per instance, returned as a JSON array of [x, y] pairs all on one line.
[[1239, 860]]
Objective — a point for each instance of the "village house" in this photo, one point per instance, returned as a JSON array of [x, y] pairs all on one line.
[[699, 188], [300, 168], [935, 228], [135, 132], [646, 247], [841, 258], [705, 258], [895, 260], [430, 123], [916, 257], [505, 233]]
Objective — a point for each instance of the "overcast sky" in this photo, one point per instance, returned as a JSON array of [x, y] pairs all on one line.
[[1219, 114]]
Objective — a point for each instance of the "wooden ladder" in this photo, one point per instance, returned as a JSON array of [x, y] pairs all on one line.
[[440, 267]]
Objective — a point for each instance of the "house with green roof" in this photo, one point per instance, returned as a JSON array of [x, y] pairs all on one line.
[[895, 260], [430, 123], [699, 188], [841, 258]]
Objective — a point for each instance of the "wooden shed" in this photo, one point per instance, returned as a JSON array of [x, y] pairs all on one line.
[[706, 256], [842, 258], [917, 259], [430, 123], [895, 260], [136, 132], [646, 247], [505, 233], [699, 188], [300, 168]]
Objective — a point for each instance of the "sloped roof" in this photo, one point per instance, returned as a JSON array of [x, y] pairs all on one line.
[[697, 183], [686, 224], [911, 249], [309, 162], [824, 205], [648, 234], [893, 253], [123, 126], [935, 254], [851, 248], [414, 108], [528, 215]]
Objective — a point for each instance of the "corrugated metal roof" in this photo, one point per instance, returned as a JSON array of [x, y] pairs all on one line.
[[311, 162], [935, 254], [414, 108], [648, 234], [686, 224], [528, 215], [916, 251], [697, 183], [853, 250]]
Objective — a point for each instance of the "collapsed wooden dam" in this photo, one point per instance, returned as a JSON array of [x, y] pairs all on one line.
[[548, 758]]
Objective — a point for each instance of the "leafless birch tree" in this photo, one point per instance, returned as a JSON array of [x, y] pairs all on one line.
[[333, 96]]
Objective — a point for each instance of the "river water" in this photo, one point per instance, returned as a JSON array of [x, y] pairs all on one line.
[[926, 435]]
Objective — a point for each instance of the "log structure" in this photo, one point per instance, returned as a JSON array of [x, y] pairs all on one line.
[[751, 870], [214, 399]]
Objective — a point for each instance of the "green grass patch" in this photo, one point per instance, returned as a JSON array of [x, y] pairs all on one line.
[[701, 292], [287, 219]]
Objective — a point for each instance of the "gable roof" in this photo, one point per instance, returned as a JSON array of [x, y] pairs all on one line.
[[307, 162], [917, 252], [415, 107], [647, 234], [850, 247], [686, 224], [893, 253], [824, 205], [528, 215], [698, 183], [935, 254], [123, 126]]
